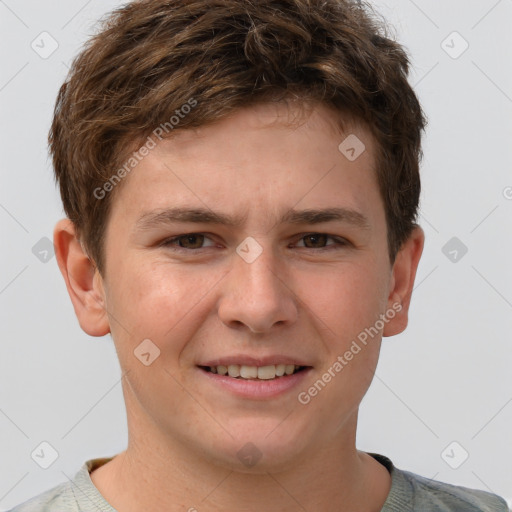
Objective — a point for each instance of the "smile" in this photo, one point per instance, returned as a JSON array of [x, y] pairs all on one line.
[[267, 372]]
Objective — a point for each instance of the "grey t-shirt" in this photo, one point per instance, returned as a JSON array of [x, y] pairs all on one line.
[[409, 493]]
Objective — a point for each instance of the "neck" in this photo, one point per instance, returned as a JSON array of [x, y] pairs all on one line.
[[155, 473]]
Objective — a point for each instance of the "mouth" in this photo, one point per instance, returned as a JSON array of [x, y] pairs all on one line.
[[247, 372], [255, 378]]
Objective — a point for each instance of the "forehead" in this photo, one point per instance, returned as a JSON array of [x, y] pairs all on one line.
[[258, 125], [265, 159]]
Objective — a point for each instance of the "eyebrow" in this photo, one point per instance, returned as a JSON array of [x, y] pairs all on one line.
[[158, 218]]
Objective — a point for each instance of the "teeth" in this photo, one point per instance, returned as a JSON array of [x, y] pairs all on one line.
[[268, 372], [234, 370], [248, 372]]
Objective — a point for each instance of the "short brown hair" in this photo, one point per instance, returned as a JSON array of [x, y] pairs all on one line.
[[151, 57]]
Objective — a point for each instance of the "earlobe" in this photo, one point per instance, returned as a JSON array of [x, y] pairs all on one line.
[[83, 282], [402, 281]]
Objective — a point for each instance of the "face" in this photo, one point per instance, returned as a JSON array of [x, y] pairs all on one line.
[[252, 246]]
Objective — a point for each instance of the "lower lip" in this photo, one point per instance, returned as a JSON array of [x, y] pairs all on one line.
[[257, 389]]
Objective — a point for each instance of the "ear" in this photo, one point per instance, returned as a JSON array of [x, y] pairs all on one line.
[[402, 281], [83, 281]]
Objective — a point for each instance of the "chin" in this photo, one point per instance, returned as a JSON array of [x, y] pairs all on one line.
[[263, 446]]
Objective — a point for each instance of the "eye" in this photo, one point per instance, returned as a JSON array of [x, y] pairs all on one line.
[[196, 241], [319, 241], [189, 241]]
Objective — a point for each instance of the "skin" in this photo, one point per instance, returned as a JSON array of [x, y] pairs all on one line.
[[303, 298]]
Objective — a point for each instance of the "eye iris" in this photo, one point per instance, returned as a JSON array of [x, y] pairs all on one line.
[[196, 240], [189, 239], [315, 239]]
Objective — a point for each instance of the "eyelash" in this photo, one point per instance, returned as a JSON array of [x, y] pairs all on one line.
[[339, 242]]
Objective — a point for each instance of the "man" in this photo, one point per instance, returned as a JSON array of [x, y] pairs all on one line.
[[241, 185]]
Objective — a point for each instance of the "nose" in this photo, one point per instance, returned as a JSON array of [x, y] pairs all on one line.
[[257, 295]]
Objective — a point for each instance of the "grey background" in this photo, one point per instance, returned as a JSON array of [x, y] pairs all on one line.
[[447, 378]]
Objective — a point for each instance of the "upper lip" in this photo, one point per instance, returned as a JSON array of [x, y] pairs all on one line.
[[247, 360]]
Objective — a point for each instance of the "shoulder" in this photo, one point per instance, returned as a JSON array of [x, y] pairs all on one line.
[[58, 498], [77, 495], [414, 493], [444, 497]]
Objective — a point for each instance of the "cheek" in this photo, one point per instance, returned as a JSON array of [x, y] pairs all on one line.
[[348, 301], [160, 302], [346, 298]]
